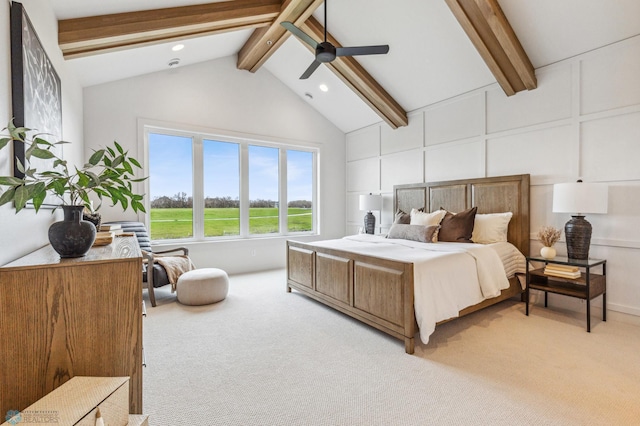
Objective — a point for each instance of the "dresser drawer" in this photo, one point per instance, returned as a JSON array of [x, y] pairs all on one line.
[[76, 402], [114, 410]]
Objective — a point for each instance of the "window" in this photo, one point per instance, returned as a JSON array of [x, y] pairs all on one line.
[[299, 190], [263, 189], [204, 187], [221, 168], [170, 171]]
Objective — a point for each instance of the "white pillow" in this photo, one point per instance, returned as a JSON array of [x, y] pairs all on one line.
[[491, 228], [426, 219]]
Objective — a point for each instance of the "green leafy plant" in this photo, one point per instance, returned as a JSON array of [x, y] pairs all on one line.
[[109, 173]]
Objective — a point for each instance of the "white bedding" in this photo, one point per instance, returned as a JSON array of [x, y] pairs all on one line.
[[448, 277]]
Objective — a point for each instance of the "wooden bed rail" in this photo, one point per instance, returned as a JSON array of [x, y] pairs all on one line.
[[378, 292]]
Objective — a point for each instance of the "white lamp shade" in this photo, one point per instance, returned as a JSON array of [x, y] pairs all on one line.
[[369, 202], [580, 197]]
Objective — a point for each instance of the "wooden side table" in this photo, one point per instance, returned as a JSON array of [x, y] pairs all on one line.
[[587, 287]]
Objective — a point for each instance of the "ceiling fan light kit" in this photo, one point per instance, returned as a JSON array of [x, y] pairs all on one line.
[[326, 52]]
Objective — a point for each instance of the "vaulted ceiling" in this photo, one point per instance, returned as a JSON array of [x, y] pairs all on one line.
[[438, 48]]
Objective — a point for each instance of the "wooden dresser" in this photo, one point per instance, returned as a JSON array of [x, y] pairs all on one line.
[[61, 318]]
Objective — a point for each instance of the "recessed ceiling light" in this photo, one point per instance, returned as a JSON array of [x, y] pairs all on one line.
[[308, 95], [324, 87], [177, 47], [174, 62]]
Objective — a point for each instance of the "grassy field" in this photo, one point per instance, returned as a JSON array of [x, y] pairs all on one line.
[[178, 223]]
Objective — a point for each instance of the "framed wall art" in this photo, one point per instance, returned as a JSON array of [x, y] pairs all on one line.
[[35, 89]]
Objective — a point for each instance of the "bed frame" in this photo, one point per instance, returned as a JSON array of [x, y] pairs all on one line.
[[379, 292]]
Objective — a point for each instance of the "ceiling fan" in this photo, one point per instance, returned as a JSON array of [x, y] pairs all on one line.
[[327, 52]]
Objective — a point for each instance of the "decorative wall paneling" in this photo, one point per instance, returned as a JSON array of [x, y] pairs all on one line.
[[582, 121], [455, 160], [457, 119], [399, 168]]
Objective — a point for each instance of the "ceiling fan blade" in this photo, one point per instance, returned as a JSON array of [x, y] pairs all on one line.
[[362, 50], [300, 34], [314, 65]]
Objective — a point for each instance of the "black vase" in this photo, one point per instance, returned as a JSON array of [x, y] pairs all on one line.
[[369, 223], [72, 237], [578, 234]]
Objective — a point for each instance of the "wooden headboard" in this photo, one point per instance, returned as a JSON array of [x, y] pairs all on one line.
[[491, 195]]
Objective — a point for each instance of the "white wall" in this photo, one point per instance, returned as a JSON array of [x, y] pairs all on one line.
[[216, 95], [583, 121], [24, 232]]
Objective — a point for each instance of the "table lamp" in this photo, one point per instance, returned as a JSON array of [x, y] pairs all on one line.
[[368, 203], [579, 198]]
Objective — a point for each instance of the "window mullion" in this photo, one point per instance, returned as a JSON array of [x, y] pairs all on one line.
[[315, 227], [198, 188], [244, 190], [282, 196], [147, 184]]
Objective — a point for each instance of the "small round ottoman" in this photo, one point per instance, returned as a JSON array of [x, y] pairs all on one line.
[[202, 286]]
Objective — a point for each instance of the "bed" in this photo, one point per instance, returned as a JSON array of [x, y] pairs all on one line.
[[379, 290]]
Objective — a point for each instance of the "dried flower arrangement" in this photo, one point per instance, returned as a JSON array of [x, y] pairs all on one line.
[[548, 235]]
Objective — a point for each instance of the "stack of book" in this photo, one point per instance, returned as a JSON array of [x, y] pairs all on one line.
[[110, 228], [103, 238], [563, 271], [106, 233]]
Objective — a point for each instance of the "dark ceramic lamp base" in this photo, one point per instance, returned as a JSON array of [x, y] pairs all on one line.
[[578, 234], [369, 223]]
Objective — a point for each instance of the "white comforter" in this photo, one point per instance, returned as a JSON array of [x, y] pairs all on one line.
[[448, 277]]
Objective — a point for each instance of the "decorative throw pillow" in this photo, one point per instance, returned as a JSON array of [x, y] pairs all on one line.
[[402, 217], [457, 227], [419, 217], [491, 228], [426, 219], [420, 233]]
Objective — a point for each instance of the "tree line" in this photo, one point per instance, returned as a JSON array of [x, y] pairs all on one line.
[[181, 200]]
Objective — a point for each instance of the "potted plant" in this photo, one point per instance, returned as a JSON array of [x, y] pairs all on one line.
[[109, 173], [548, 236]]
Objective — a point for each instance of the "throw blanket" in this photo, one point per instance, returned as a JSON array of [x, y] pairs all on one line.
[[448, 277], [175, 265]]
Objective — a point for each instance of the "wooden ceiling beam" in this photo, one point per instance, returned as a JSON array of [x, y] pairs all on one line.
[[358, 79], [98, 34], [266, 40], [494, 38]]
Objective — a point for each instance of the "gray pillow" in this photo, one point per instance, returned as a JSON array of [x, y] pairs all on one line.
[[420, 233]]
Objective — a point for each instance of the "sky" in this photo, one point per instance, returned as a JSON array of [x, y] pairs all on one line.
[[171, 169]]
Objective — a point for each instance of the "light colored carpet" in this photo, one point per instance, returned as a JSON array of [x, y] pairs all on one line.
[[267, 357]]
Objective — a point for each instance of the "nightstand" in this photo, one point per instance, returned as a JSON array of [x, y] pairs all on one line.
[[587, 286]]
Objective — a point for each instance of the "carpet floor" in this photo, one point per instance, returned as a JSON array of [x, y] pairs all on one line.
[[266, 357]]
